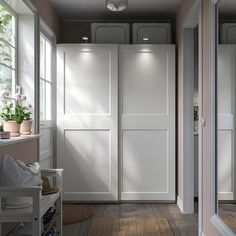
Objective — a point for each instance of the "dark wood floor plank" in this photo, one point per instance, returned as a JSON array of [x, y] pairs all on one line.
[[112, 219], [186, 224], [112, 211], [174, 209], [83, 228], [227, 212]]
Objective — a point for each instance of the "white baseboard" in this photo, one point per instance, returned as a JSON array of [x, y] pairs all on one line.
[[220, 225], [180, 203], [226, 196]]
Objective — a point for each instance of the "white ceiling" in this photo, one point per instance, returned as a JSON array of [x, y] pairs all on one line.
[[95, 10]]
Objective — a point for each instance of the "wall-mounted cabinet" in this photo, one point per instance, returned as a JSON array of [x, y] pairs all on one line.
[[151, 33], [110, 33]]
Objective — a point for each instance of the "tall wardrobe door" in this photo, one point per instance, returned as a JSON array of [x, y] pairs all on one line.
[[226, 112], [87, 114], [147, 105]]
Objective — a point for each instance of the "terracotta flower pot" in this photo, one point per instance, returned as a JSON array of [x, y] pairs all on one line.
[[12, 127], [25, 127]]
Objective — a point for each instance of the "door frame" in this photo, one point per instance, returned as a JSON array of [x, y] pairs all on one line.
[[213, 199], [193, 18]]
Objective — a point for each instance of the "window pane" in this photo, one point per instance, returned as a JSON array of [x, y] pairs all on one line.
[[42, 56], [42, 99], [7, 26], [48, 60], [7, 54], [45, 78], [7, 49], [48, 101], [6, 77]]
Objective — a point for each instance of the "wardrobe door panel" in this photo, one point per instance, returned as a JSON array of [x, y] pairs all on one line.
[[87, 121], [147, 105]]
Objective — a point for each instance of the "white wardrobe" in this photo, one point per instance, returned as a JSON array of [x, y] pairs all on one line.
[[226, 121], [116, 121]]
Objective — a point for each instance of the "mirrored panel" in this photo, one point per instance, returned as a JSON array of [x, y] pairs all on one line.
[[226, 112]]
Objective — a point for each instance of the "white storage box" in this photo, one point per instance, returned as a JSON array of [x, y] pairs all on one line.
[[110, 33], [151, 33]]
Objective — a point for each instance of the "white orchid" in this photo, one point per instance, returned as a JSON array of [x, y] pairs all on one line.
[[4, 94], [20, 97], [13, 107]]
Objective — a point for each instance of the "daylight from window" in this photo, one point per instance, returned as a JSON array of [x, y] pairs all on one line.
[[7, 50], [45, 78]]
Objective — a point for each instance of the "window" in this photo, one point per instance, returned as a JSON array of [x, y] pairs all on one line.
[[7, 49], [45, 78]]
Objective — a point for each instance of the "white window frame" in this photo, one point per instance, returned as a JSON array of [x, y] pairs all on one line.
[[51, 124], [15, 46], [46, 31]]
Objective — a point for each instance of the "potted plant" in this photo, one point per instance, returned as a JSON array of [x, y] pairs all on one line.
[[25, 127], [14, 114], [11, 121], [8, 115]]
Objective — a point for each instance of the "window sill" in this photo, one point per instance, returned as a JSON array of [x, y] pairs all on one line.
[[13, 140]]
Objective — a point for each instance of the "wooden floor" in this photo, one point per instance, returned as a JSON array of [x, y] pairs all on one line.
[[227, 212], [181, 225]]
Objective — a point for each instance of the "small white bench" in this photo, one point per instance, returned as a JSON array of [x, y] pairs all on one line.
[[40, 206]]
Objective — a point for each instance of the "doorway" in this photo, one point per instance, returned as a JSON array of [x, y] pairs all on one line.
[[192, 103]]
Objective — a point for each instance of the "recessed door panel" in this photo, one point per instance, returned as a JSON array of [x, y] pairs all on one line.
[[145, 85], [87, 153], [88, 121], [147, 104], [145, 166], [87, 82]]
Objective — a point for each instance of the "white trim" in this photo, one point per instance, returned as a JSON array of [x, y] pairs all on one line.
[[46, 31], [212, 75], [221, 226], [200, 133], [180, 203], [14, 140], [192, 19], [197, 6]]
